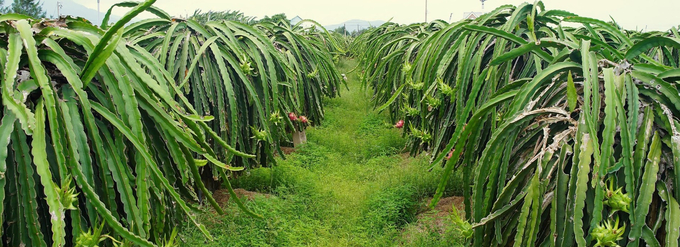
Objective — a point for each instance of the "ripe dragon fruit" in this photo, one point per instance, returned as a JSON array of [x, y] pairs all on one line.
[[292, 116], [399, 124], [303, 119], [448, 156]]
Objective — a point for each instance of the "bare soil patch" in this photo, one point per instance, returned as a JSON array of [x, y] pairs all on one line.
[[445, 205], [443, 210], [286, 151], [222, 196]]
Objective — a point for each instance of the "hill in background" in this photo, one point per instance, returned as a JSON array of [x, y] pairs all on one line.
[[70, 7]]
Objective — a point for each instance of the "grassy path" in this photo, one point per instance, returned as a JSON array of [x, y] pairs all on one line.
[[349, 186]]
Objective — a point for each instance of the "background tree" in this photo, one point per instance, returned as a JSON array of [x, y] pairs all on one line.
[[3, 9], [228, 15], [31, 8], [340, 30], [356, 33], [275, 18]]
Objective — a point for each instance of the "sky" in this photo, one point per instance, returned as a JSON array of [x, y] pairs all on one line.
[[631, 14]]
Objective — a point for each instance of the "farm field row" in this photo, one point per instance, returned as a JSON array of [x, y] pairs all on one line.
[[549, 129], [350, 185]]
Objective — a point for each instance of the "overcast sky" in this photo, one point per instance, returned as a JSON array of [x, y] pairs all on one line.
[[631, 14]]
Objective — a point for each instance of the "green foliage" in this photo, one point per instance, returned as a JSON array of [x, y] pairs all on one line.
[[538, 109], [106, 134], [98, 129], [391, 208], [259, 72]]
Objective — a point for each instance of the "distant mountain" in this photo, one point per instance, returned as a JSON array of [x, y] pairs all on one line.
[[352, 25], [69, 7]]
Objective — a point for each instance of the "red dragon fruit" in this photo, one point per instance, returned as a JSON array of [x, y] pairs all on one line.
[[399, 124], [292, 116], [448, 156], [303, 119]]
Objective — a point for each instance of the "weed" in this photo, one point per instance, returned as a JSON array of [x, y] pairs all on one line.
[[391, 208]]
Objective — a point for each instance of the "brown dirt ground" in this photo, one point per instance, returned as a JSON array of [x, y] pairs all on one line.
[[222, 196], [286, 151], [444, 205], [444, 209]]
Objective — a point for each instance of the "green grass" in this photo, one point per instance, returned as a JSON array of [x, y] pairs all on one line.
[[348, 186]]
